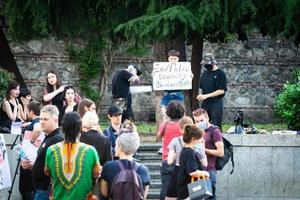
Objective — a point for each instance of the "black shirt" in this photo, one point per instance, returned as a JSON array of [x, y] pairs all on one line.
[[188, 162], [120, 84], [40, 180], [100, 142], [4, 119], [211, 81]]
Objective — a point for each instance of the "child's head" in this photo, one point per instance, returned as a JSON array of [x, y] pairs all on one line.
[[173, 55], [185, 120], [115, 115], [86, 105], [192, 134]]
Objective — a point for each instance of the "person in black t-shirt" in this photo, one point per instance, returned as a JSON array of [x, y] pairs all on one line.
[[53, 134], [120, 89], [189, 163], [213, 84], [92, 135]]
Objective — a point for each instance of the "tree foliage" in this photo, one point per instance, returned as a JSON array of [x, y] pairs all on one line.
[[5, 77], [287, 105]]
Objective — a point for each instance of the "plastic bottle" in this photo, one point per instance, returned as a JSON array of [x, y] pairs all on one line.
[[20, 152]]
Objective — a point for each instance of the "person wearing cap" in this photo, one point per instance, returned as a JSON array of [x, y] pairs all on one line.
[[120, 89], [112, 131], [92, 135], [213, 84], [126, 145]]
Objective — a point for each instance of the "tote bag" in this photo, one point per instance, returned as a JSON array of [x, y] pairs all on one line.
[[200, 189]]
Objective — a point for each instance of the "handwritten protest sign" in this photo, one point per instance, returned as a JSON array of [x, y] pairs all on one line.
[[172, 76], [5, 179]]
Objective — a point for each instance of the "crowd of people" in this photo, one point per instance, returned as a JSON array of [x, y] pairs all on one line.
[[69, 157]]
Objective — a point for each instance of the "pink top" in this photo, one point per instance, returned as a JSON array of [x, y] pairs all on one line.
[[168, 130]]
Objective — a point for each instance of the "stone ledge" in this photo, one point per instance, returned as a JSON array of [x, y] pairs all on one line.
[[260, 140]]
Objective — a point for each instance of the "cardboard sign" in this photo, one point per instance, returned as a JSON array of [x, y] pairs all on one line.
[[16, 128], [5, 178], [172, 76]]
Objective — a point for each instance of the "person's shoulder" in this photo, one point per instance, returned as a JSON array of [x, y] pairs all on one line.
[[142, 168]]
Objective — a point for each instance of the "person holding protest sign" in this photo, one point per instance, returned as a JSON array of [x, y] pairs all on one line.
[[213, 84], [169, 95], [121, 94]]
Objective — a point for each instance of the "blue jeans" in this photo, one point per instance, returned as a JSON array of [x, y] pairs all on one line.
[[170, 96], [213, 179], [166, 174], [42, 195]]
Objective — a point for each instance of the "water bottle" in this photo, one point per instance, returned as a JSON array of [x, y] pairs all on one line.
[[21, 152]]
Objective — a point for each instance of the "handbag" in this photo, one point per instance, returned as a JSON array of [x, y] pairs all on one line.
[[200, 189]]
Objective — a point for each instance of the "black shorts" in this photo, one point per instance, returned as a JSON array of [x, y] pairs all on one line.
[[172, 188]]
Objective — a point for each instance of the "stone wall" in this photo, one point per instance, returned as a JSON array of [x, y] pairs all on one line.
[[256, 72]]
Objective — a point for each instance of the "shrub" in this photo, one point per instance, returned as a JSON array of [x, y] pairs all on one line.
[[287, 105], [5, 77]]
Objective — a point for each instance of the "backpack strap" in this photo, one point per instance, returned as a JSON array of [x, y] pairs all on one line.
[[164, 129], [120, 165]]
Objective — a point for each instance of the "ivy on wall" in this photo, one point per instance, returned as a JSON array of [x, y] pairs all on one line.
[[90, 66]]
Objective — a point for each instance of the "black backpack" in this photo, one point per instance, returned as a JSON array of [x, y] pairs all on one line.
[[228, 153], [127, 184]]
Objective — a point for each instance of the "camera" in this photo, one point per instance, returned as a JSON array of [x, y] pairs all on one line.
[[239, 121], [239, 118]]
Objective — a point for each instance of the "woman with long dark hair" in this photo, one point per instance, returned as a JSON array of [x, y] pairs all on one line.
[[53, 93], [10, 106]]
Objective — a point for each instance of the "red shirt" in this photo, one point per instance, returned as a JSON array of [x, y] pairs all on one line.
[[168, 131]]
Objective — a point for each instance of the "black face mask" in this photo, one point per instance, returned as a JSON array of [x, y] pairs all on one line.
[[208, 67]]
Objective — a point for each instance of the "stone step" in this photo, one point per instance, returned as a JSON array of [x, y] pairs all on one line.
[[155, 175], [152, 166], [149, 147], [153, 195], [147, 155]]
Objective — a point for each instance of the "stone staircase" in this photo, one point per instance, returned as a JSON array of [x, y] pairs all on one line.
[[147, 154]]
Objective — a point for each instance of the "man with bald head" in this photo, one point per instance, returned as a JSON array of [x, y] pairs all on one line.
[[49, 125]]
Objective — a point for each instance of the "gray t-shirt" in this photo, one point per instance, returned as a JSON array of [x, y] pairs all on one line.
[[176, 145]]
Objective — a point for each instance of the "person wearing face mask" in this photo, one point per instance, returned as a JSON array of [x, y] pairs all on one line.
[[213, 84], [214, 146]]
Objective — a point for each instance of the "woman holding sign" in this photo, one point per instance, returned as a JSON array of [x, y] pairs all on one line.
[[10, 107]]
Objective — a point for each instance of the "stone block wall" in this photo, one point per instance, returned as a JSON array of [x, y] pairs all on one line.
[[256, 72], [266, 167]]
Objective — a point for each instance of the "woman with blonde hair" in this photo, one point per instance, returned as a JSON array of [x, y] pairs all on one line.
[[92, 135]]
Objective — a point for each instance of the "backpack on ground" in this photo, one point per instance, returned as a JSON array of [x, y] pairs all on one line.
[[127, 184], [228, 154]]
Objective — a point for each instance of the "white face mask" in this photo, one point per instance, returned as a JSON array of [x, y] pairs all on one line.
[[202, 125]]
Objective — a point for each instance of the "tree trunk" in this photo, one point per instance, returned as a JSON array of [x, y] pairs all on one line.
[[7, 60], [197, 51]]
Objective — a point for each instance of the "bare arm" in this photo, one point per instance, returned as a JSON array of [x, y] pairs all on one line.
[[51, 95], [171, 157], [104, 188], [146, 190], [134, 79], [216, 93], [219, 152], [12, 114]]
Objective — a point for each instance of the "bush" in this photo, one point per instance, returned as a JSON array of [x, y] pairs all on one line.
[[287, 105], [5, 77]]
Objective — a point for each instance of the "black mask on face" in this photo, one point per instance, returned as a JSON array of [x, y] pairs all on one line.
[[208, 67]]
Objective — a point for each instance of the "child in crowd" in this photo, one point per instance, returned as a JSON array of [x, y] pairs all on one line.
[[189, 163], [112, 132]]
